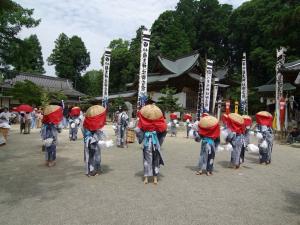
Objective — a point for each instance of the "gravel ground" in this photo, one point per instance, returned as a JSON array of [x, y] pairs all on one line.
[[31, 193]]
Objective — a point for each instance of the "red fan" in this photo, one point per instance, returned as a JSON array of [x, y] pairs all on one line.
[[24, 108]]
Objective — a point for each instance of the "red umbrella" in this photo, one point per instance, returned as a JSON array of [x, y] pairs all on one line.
[[24, 108]]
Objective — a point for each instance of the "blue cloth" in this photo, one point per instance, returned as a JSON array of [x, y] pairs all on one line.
[[154, 137]]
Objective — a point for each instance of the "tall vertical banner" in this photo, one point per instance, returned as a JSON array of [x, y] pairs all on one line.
[[244, 87], [200, 98], [279, 82], [207, 84], [107, 55], [142, 92], [215, 94]]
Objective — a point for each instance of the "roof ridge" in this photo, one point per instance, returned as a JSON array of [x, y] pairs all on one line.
[[195, 52], [42, 76]]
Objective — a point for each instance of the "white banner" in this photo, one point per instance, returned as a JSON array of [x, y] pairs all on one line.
[[279, 81], [200, 98], [215, 94], [106, 66], [207, 84], [145, 44], [244, 86]]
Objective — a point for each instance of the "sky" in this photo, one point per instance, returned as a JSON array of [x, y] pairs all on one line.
[[97, 22]]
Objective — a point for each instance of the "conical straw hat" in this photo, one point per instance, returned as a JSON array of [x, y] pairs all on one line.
[[50, 109], [151, 112], [236, 118], [94, 110], [264, 113], [208, 121], [246, 117]]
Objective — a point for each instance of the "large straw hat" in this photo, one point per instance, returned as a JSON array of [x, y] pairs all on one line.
[[50, 109], [208, 121], [246, 117], [95, 110], [237, 118], [264, 113], [151, 112]]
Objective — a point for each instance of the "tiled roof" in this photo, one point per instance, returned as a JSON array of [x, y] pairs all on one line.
[[121, 94], [47, 82], [180, 65], [292, 66], [272, 87]]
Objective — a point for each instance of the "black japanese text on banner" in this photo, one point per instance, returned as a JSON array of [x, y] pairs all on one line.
[[142, 92], [215, 94], [244, 86], [106, 66], [200, 98], [207, 84], [279, 82]]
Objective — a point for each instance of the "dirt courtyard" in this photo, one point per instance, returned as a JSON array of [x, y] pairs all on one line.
[[32, 194]]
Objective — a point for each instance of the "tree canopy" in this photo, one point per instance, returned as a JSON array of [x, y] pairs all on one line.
[[92, 83], [13, 18], [70, 57], [26, 55], [167, 102]]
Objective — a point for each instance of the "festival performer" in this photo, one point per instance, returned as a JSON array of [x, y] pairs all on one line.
[[236, 128], [209, 131], [27, 123], [122, 124], [151, 126], [115, 120], [53, 115], [265, 134], [173, 124], [74, 123], [246, 136], [5, 117], [188, 119], [94, 121], [39, 118]]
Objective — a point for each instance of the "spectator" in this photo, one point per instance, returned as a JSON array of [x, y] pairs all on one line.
[[293, 136]]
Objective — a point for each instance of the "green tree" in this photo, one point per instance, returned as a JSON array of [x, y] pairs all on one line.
[[13, 17], [27, 56], [211, 22], [118, 67], [132, 69], [70, 58], [92, 83], [258, 27], [167, 102], [27, 92], [168, 37]]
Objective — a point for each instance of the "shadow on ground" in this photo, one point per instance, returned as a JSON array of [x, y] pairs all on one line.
[[37, 181], [293, 199]]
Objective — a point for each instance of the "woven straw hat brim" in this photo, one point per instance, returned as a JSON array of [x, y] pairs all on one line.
[[236, 118], [76, 107], [151, 112], [95, 110], [50, 109], [208, 121], [246, 117], [264, 113]]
